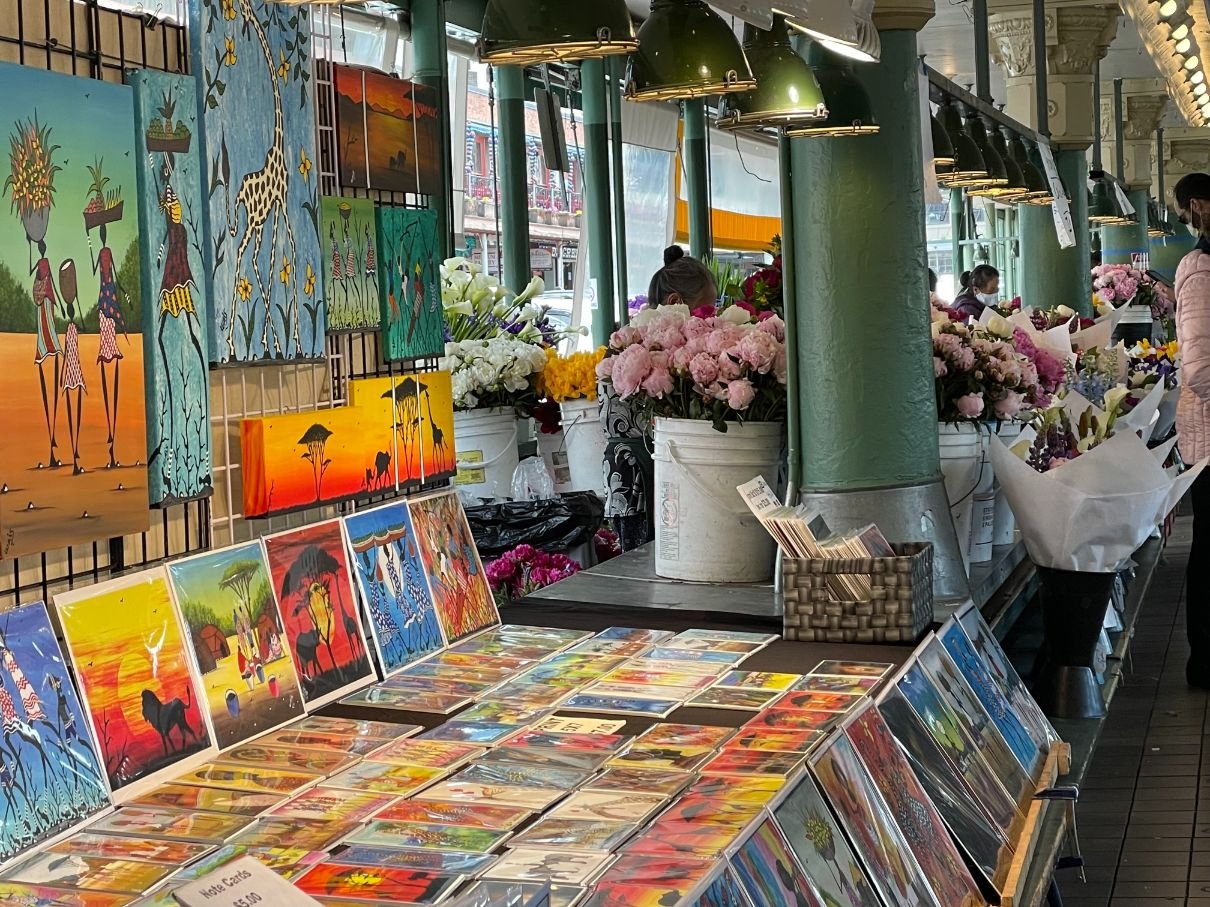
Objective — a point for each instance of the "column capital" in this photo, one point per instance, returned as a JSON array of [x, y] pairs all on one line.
[[909, 15], [1186, 150], [1077, 36], [1144, 103]]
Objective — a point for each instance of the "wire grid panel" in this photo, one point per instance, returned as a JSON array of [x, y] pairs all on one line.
[[91, 40]]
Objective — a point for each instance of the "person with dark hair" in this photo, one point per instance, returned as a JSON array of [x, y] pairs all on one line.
[[683, 279], [1193, 411], [1096, 258], [980, 289]]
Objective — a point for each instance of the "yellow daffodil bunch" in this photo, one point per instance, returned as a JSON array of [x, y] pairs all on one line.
[[572, 377]]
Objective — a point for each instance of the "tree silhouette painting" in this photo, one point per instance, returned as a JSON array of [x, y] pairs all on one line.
[[406, 397], [315, 440]]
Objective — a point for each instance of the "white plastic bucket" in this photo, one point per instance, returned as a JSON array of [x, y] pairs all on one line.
[[585, 440], [960, 458], [983, 506], [553, 450], [486, 444], [704, 530], [1006, 524]]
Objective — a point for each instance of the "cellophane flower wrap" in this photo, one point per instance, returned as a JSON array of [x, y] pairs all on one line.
[[525, 570], [571, 377], [724, 368], [1148, 365], [981, 376]]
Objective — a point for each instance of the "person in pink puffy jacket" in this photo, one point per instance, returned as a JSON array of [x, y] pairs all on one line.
[[1193, 411]]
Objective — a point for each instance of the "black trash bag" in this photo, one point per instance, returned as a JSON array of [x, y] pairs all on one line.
[[556, 525]]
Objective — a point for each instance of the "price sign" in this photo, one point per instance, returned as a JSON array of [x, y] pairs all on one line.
[[1061, 210], [242, 883]]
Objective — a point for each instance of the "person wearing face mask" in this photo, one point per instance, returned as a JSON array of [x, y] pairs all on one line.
[[1193, 411], [980, 288]]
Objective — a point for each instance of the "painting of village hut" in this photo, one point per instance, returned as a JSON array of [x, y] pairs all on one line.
[[230, 613]]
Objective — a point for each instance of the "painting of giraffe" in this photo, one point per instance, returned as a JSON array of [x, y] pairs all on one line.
[[175, 319], [263, 253], [390, 577], [50, 776], [409, 289]]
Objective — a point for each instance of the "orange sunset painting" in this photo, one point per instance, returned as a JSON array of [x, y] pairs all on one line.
[[418, 411], [131, 660]]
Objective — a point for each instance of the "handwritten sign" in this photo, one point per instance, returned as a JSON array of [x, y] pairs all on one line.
[[242, 883], [1064, 228]]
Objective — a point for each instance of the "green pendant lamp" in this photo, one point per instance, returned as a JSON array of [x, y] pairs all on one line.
[[997, 175], [1037, 188], [528, 32], [1015, 187], [1103, 207], [849, 110], [686, 50], [943, 148], [1156, 228], [969, 169], [787, 92]]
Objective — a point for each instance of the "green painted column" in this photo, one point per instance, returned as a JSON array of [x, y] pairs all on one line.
[[1051, 276], [598, 200], [431, 68], [616, 70], [1117, 243], [956, 223], [868, 421], [697, 178], [514, 178]]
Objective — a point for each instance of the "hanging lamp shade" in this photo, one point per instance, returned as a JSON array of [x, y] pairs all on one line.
[[997, 175], [1037, 189], [1156, 228], [528, 32], [1103, 207], [1015, 187], [943, 148], [787, 92], [849, 110], [969, 170], [686, 50]]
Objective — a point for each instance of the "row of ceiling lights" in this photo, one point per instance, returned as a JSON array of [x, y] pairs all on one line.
[[684, 49], [1176, 24]]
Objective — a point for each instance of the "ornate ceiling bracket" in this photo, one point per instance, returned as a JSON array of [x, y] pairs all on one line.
[[910, 15], [1186, 150], [1077, 36]]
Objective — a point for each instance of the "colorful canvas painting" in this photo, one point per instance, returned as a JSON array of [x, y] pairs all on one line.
[[417, 413], [821, 847], [301, 460], [229, 609], [954, 738], [724, 891], [863, 814], [408, 284], [50, 777], [176, 317], [310, 571], [769, 872], [74, 453], [913, 811], [975, 831], [263, 256], [144, 705], [389, 132], [971, 666], [455, 574], [350, 237], [390, 575]]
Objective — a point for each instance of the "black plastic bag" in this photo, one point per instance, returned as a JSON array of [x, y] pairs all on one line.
[[556, 525]]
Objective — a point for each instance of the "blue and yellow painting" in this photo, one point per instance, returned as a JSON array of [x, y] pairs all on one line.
[[50, 777], [391, 578], [252, 61], [413, 325], [175, 319], [74, 450]]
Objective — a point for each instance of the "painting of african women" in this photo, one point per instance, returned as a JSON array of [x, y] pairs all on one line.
[[73, 452], [390, 575], [350, 273], [176, 318], [258, 123], [238, 636], [130, 655], [310, 571], [51, 779], [457, 582]]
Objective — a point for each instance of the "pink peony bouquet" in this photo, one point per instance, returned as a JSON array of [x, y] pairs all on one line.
[[982, 377], [525, 570], [1121, 285], [724, 368]]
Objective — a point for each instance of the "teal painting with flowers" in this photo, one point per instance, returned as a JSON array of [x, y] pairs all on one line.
[[175, 322], [73, 453], [252, 60]]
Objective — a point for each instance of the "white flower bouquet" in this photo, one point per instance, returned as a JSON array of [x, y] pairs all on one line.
[[500, 371]]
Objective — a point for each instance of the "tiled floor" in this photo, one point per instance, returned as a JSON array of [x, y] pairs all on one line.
[[1144, 812]]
